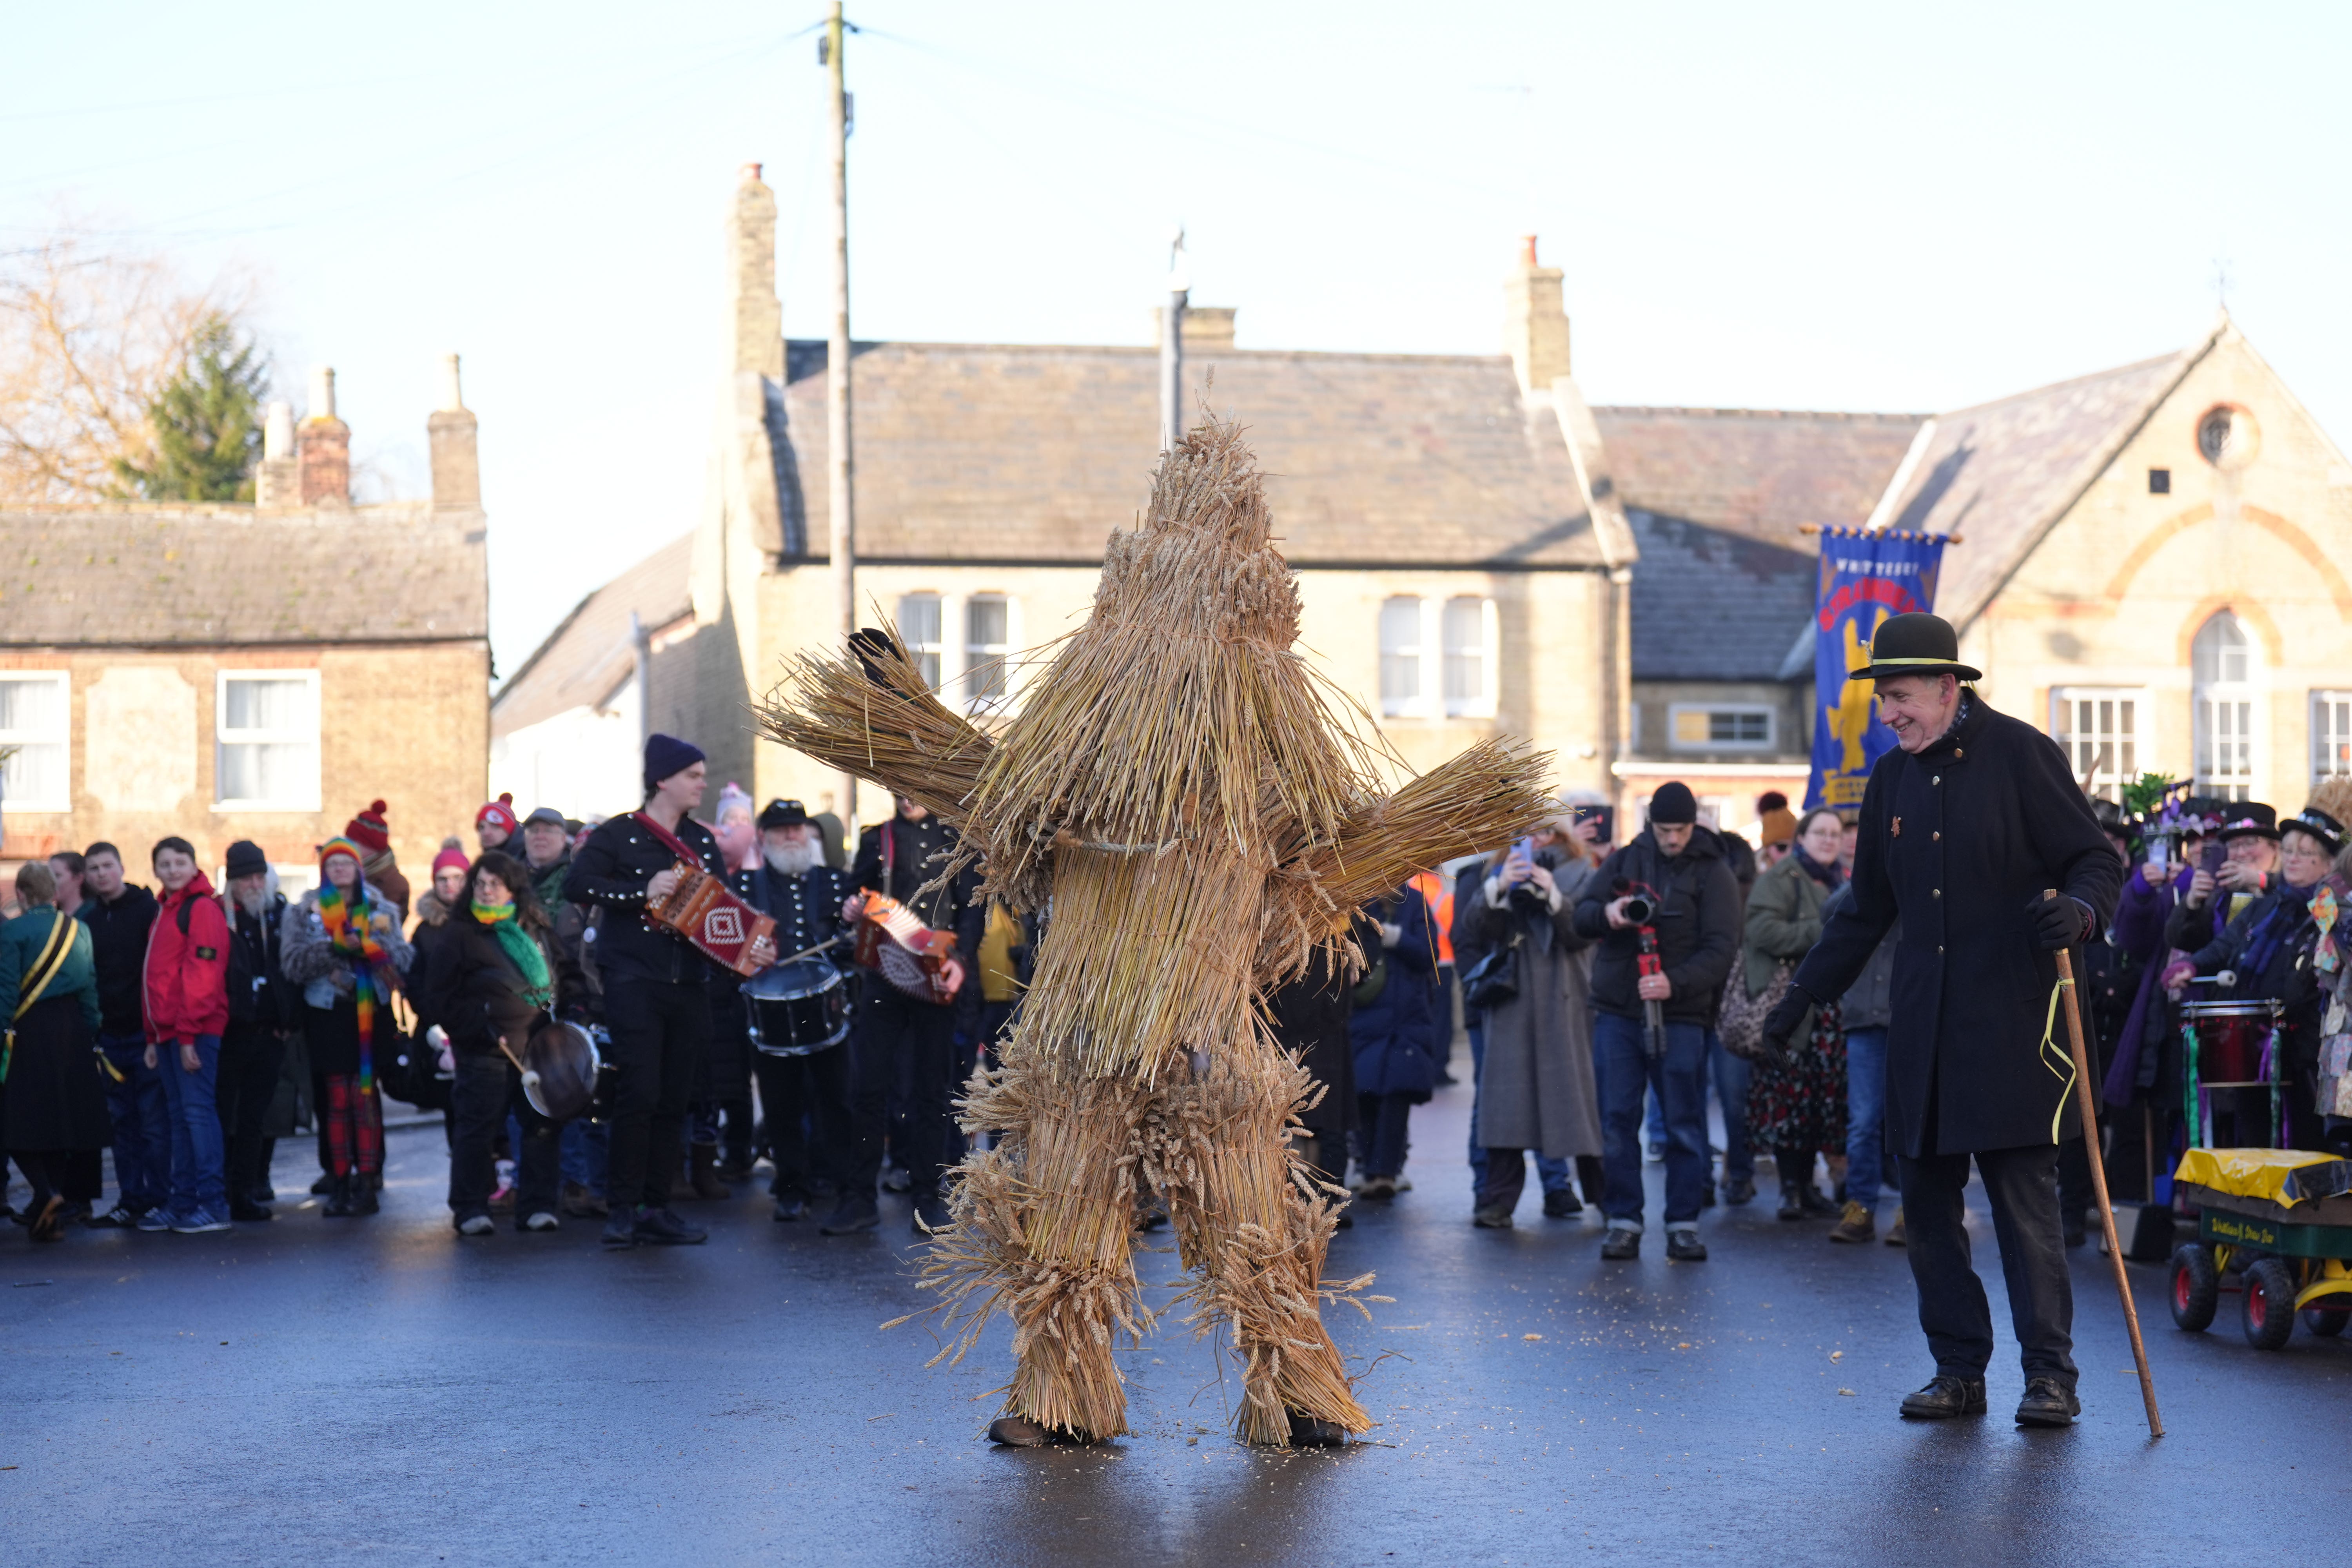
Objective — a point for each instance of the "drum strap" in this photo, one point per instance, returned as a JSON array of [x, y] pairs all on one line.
[[45, 968], [2055, 1057]]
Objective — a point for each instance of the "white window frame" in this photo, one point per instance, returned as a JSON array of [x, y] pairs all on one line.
[[975, 655], [223, 738], [61, 736], [2331, 734], [1479, 704], [2206, 700], [935, 650], [1418, 657], [1674, 710], [2115, 769]]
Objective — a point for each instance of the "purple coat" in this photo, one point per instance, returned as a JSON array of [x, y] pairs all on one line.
[[2138, 931]]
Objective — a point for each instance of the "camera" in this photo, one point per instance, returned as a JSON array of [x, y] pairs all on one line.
[[1641, 902]]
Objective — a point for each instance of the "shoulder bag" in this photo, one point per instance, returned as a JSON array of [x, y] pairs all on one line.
[[1740, 1022]]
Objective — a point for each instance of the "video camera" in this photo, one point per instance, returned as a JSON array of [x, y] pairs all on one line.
[[1640, 900]]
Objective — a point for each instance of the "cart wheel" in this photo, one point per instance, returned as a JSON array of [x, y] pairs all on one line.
[[2196, 1286], [2267, 1308], [2326, 1322]]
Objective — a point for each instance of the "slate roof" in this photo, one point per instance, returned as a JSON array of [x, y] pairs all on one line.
[[1712, 604], [1755, 471], [157, 573], [1035, 453], [586, 657], [2001, 474]]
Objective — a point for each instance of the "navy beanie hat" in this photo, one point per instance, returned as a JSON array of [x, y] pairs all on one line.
[[665, 755], [1673, 803]]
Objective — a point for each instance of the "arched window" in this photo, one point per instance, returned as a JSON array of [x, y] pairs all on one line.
[[2221, 670]]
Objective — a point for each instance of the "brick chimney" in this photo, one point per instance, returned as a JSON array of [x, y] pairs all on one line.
[[457, 461], [278, 482], [1534, 323], [324, 458], [751, 267]]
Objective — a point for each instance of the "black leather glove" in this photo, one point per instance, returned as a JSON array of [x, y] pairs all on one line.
[[2057, 923], [1781, 1021]]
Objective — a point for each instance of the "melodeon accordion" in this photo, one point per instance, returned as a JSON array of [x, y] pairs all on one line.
[[704, 910], [910, 955]]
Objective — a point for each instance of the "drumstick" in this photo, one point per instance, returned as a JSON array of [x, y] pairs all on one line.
[[820, 947], [2099, 1177]]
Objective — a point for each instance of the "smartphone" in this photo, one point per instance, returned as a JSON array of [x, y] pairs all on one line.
[[2215, 853]]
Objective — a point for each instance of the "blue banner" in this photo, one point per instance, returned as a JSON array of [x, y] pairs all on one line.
[[1864, 579]]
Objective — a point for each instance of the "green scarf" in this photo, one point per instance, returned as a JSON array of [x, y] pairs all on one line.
[[523, 950]]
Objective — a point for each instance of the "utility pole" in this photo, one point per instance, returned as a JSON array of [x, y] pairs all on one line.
[[1171, 347], [841, 542]]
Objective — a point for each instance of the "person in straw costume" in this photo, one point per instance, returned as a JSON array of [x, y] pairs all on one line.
[[1174, 793]]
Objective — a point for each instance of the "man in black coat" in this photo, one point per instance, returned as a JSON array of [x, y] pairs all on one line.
[[1963, 826], [260, 1013], [804, 1099], [1677, 867], [119, 914], [902, 1040], [657, 1002]]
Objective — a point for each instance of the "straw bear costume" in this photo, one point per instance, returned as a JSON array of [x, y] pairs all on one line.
[[1174, 795]]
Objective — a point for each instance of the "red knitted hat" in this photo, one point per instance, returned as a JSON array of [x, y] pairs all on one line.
[[452, 853], [500, 811], [368, 831]]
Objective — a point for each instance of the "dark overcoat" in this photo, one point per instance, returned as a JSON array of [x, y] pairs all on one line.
[[1955, 843], [1398, 1046]]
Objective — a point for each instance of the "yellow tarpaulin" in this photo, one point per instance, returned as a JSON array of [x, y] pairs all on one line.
[[2284, 1176]]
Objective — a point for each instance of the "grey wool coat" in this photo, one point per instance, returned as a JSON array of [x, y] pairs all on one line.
[[1535, 1087]]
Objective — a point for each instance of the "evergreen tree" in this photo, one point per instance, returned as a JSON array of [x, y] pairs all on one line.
[[207, 422]]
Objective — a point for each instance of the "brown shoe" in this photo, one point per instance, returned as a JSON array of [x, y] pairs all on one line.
[[1894, 1231], [1858, 1225]]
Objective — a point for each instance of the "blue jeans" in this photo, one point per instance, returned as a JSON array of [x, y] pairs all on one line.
[[1680, 1079], [583, 1153], [143, 1127], [199, 1159], [1865, 1114], [1732, 1075], [1555, 1174]]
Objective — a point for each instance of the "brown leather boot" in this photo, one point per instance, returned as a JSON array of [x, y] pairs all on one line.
[[1858, 1225], [702, 1167]]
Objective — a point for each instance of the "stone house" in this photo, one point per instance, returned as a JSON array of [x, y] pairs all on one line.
[[263, 671]]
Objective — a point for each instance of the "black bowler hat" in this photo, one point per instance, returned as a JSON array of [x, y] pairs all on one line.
[[2320, 825], [783, 814], [1915, 644], [2249, 818]]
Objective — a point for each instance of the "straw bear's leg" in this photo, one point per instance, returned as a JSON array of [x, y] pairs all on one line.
[[1047, 1219], [1246, 1225]]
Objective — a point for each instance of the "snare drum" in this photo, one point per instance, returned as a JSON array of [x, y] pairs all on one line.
[[560, 1067], [797, 1007], [2230, 1037]]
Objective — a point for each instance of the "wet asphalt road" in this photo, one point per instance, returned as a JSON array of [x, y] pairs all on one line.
[[380, 1391]]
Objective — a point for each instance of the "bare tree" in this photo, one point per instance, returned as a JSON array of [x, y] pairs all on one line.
[[90, 334]]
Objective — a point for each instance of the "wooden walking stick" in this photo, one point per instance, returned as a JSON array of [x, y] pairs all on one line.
[[2099, 1176]]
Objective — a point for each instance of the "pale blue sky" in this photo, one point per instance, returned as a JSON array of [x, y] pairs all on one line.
[[1857, 206]]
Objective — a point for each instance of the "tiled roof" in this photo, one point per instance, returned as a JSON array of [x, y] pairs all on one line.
[[149, 574], [585, 659], [1758, 472], [969, 451], [1712, 604], [1999, 475]]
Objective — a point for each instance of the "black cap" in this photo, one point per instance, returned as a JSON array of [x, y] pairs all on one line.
[[2320, 825], [1673, 803], [2248, 819], [244, 858], [1915, 644], [783, 814]]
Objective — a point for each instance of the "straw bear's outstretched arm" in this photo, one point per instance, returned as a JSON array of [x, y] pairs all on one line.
[[1484, 797], [871, 713]]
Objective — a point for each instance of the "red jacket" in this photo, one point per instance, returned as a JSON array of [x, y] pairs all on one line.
[[187, 965]]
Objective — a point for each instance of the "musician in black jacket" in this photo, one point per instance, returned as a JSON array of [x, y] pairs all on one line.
[[260, 1014], [902, 1037], [657, 1006], [805, 1099]]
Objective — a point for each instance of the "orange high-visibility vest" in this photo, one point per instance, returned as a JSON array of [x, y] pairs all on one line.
[[1438, 894]]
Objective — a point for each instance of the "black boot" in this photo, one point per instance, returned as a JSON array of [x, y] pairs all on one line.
[[339, 1198], [364, 1195]]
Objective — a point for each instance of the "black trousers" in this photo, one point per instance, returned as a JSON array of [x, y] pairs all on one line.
[[488, 1087], [806, 1101], [2022, 1185], [246, 1082], [658, 1030], [899, 1036]]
